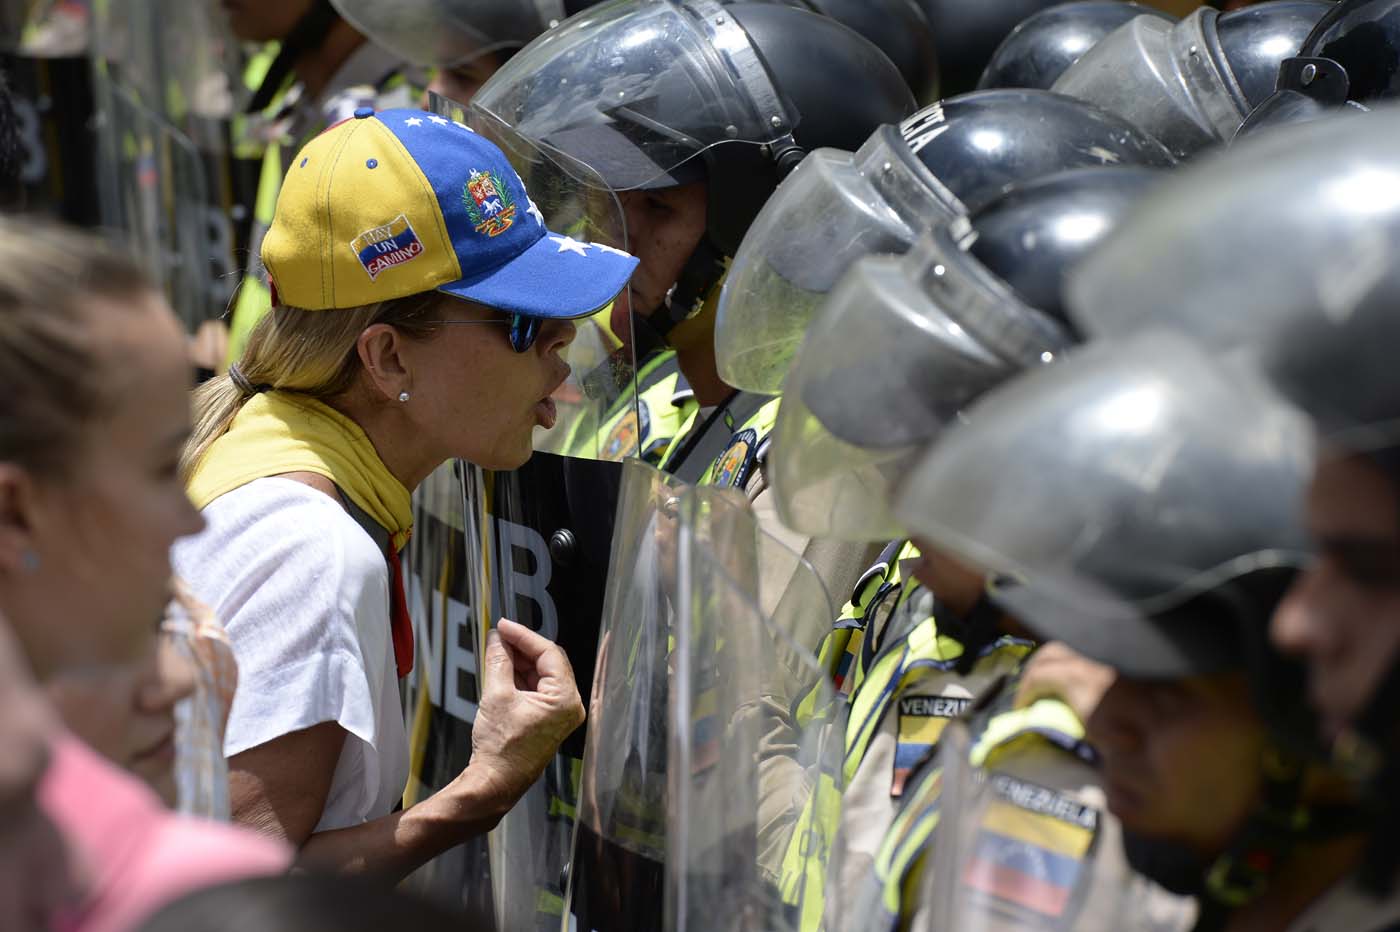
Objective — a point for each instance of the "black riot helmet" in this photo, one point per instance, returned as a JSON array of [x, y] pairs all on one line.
[[901, 30], [1192, 84], [905, 344], [1044, 45], [977, 144], [650, 94], [968, 33], [944, 162], [1357, 44], [1032, 235]]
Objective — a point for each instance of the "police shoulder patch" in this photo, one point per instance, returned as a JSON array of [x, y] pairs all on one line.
[[732, 468], [921, 722], [1031, 850], [627, 434]]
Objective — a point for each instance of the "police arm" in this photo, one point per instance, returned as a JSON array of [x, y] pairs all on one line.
[[529, 706]]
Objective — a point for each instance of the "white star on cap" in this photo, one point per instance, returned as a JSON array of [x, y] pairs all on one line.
[[463, 125], [616, 252], [569, 244], [438, 120], [413, 121], [534, 211]]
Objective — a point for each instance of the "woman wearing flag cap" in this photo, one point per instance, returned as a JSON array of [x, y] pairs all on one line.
[[393, 232]]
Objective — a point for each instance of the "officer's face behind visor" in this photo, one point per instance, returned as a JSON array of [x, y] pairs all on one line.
[[664, 227], [1180, 757], [1343, 614]]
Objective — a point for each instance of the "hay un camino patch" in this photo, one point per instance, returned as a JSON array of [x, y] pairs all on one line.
[[387, 246]]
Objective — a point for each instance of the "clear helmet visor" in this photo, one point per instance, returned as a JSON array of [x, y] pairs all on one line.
[[444, 33], [1168, 79], [834, 209], [1118, 482], [900, 350], [636, 88], [1306, 289]]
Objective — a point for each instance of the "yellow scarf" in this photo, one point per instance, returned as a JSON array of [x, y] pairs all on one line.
[[282, 432]]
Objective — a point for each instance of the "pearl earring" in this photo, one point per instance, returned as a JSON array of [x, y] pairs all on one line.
[[403, 396]]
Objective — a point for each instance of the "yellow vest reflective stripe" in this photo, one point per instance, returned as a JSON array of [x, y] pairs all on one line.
[[907, 842], [804, 868], [254, 297]]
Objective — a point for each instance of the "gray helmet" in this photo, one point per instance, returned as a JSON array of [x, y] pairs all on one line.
[[1192, 84], [904, 345], [1306, 289]]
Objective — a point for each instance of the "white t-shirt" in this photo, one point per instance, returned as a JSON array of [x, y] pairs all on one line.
[[304, 593]]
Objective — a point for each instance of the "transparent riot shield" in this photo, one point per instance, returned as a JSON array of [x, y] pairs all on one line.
[[164, 95], [534, 547], [441, 696], [697, 774], [44, 56], [1019, 848]]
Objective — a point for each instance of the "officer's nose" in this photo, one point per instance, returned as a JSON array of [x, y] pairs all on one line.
[[1295, 624]]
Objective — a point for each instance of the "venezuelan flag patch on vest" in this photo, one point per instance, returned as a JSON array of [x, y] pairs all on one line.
[[1031, 849], [921, 722]]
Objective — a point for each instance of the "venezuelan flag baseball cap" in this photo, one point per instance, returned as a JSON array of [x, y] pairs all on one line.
[[399, 202]]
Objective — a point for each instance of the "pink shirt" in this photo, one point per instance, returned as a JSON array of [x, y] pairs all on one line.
[[131, 854]]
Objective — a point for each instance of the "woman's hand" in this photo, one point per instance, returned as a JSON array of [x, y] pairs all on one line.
[[529, 705]]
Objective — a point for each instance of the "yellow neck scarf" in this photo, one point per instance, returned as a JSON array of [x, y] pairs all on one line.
[[282, 432]]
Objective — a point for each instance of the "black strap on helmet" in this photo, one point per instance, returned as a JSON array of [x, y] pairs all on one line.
[[975, 631], [308, 34], [1367, 753]]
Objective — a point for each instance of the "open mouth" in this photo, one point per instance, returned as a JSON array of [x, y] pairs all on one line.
[[546, 413]]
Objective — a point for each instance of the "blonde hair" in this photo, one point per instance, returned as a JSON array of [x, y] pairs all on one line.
[[52, 375], [296, 350]]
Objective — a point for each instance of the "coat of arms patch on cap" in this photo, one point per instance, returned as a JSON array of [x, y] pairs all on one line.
[[384, 247], [488, 203]]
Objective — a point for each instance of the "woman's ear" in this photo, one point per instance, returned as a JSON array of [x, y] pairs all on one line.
[[380, 348], [18, 500]]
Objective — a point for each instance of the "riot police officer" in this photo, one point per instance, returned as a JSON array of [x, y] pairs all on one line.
[[901, 347], [1322, 339], [1157, 534]]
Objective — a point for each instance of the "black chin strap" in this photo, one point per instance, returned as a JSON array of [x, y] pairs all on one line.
[[974, 631], [1263, 844], [1268, 838], [1368, 754], [309, 32], [703, 271]]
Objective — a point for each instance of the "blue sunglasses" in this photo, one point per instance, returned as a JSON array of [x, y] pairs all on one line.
[[524, 330]]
